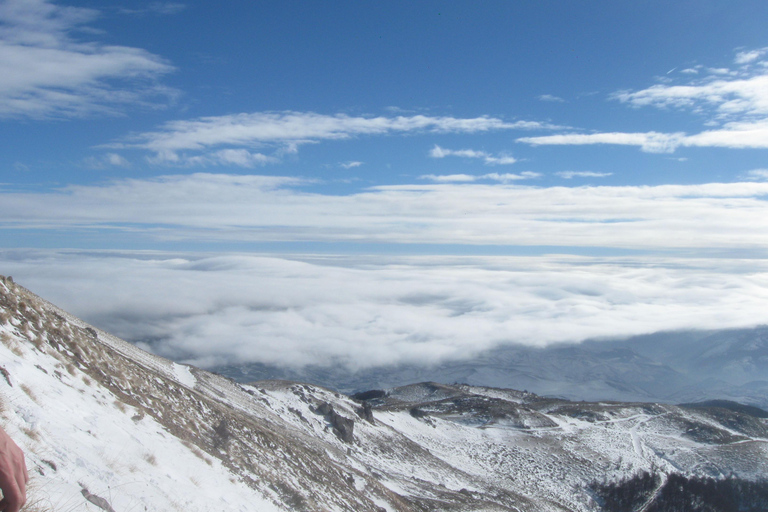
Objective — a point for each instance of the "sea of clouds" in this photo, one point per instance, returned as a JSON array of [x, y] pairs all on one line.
[[361, 311]]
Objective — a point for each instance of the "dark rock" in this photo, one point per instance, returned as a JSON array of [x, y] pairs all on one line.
[[97, 500], [370, 395], [366, 413], [342, 427], [729, 405], [221, 435], [5, 374], [324, 409]]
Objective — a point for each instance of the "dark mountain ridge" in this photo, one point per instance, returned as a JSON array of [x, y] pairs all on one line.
[[669, 367]]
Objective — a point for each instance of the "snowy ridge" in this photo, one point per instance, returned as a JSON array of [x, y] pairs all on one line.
[[151, 361], [97, 416]]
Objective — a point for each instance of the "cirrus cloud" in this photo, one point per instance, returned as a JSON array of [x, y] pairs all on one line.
[[487, 158], [757, 174], [583, 174], [190, 141], [651, 142], [735, 100], [728, 97], [46, 72], [732, 135], [551, 98], [468, 178], [196, 141]]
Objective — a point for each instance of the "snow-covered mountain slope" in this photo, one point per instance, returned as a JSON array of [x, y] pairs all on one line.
[[107, 426]]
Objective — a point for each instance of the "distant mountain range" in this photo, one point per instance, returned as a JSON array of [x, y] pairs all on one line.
[[669, 367], [108, 427]]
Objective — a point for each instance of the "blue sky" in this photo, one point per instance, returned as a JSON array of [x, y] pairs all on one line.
[[326, 104], [617, 135]]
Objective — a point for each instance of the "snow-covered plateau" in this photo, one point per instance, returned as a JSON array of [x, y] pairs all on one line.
[[107, 426]]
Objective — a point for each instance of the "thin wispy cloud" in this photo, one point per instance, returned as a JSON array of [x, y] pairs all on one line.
[[361, 312], [218, 207], [487, 158], [551, 98], [583, 174], [180, 142], [757, 174], [735, 100], [106, 161], [46, 72], [468, 178], [734, 135], [750, 56], [651, 142], [157, 8], [450, 178], [351, 165], [229, 157], [724, 98]]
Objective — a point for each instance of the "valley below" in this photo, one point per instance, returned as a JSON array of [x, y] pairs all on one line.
[[107, 426]]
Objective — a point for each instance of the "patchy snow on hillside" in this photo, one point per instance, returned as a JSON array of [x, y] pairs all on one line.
[[77, 435]]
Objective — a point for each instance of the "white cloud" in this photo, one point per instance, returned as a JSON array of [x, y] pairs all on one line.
[[651, 142], [733, 101], [298, 127], [115, 159], [757, 174], [721, 71], [221, 207], [107, 160], [500, 160], [450, 178], [158, 8], [583, 174], [45, 72], [749, 56], [487, 158], [239, 157], [551, 98], [190, 141], [361, 312], [438, 152], [535, 125], [732, 135], [468, 178], [351, 165], [738, 97], [509, 177]]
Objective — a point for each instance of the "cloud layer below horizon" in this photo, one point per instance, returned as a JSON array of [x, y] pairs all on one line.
[[368, 311]]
